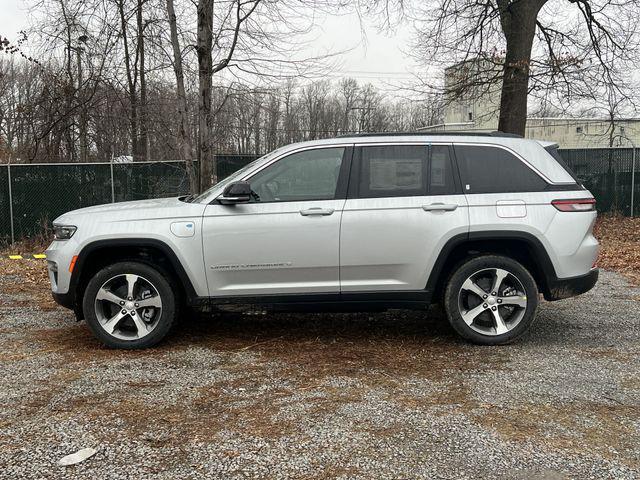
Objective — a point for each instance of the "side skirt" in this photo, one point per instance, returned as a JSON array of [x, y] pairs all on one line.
[[333, 302]]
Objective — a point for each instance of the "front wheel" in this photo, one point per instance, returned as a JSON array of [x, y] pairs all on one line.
[[129, 305], [491, 300]]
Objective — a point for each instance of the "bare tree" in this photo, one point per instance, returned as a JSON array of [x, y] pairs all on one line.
[[102, 83], [529, 46], [184, 143], [253, 38]]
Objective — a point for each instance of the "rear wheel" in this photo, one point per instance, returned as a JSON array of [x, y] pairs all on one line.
[[129, 305], [491, 300]]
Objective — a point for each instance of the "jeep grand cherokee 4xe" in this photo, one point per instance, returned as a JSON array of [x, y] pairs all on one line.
[[482, 224]]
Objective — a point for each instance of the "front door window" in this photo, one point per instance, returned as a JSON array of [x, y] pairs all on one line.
[[302, 176]]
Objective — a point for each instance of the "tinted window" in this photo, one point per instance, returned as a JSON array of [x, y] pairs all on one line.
[[495, 170], [441, 177], [553, 151], [308, 175], [404, 171]]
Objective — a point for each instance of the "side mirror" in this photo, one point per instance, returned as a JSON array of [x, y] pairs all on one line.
[[236, 192]]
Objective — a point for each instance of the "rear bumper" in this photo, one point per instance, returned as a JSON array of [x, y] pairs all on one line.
[[570, 287]]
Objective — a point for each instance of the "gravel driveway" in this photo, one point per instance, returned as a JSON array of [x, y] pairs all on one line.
[[392, 395]]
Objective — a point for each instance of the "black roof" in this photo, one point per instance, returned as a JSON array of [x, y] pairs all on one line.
[[433, 134]]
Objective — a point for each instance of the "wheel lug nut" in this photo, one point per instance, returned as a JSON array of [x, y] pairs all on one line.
[[499, 301], [485, 305], [124, 311], [129, 298], [133, 312], [484, 296], [493, 293], [137, 305], [493, 308], [121, 302]]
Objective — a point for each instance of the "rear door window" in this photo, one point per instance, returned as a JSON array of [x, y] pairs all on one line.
[[442, 178], [393, 171], [487, 169], [404, 171]]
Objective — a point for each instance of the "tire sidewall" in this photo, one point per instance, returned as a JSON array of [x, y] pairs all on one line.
[[468, 268], [159, 281]]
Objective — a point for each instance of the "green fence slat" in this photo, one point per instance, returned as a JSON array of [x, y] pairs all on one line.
[[44, 191], [606, 173], [227, 164], [5, 221]]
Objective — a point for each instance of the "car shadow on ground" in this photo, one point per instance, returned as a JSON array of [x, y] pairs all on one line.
[[394, 325]]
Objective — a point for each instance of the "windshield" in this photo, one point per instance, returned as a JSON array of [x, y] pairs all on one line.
[[234, 176]]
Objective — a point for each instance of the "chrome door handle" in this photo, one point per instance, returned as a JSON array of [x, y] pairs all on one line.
[[444, 207], [316, 211]]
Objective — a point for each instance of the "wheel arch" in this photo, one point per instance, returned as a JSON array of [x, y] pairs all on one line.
[[521, 246], [156, 253]]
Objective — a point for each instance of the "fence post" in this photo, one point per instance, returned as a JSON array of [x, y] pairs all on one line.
[[13, 238], [113, 188], [633, 177]]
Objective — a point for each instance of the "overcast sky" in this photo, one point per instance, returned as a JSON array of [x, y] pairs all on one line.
[[376, 58]]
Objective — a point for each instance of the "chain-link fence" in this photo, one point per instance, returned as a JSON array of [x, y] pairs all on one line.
[[32, 195], [607, 173], [227, 164]]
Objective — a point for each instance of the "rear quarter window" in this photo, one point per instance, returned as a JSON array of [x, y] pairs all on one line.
[[555, 153], [487, 169]]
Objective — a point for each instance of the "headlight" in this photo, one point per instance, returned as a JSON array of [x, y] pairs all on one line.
[[63, 232]]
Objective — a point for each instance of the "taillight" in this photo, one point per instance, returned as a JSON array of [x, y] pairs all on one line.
[[575, 205]]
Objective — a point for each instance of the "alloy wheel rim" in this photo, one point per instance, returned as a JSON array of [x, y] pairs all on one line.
[[128, 306], [492, 301]]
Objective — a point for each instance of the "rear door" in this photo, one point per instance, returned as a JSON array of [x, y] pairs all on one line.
[[404, 203], [286, 240]]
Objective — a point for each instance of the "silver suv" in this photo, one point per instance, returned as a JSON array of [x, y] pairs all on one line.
[[482, 224]]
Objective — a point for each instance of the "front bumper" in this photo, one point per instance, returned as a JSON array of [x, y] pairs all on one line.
[[68, 300], [562, 288]]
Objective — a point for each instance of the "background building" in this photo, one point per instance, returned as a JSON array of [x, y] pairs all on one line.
[[473, 101]]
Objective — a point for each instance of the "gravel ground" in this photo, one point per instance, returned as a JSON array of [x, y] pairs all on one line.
[[392, 395]]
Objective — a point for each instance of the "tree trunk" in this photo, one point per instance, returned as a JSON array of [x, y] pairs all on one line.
[[131, 84], [518, 20], [184, 143], [203, 47], [143, 140], [84, 147]]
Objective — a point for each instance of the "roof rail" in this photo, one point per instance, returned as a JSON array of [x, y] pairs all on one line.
[[432, 134]]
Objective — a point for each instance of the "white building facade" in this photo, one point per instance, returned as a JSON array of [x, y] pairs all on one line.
[[477, 109]]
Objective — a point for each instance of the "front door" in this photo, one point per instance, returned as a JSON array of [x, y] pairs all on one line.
[[286, 241]]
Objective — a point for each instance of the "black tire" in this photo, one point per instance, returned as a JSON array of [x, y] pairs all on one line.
[[456, 301], [166, 317]]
